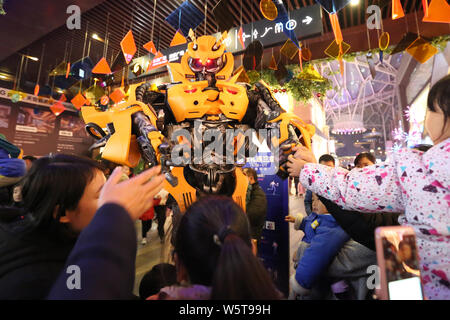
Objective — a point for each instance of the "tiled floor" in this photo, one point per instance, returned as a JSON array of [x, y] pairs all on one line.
[[150, 254]]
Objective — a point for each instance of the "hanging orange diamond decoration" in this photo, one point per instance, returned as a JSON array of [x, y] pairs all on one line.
[[397, 10], [78, 101], [150, 47], [57, 108], [273, 64], [289, 49], [437, 11], [421, 50], [243, 76], [62, 98], [117, 95], [102, 67], [177, 39], [128, 47], [334, 50]]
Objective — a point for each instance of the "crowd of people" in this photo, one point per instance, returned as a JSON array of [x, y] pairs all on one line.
[[67, 213]]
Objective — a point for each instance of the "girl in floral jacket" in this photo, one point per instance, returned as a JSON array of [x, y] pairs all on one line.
[[413, 182]]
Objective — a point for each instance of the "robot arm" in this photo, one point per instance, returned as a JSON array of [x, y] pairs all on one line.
[[154, 146], [292, 130], [148, 137]]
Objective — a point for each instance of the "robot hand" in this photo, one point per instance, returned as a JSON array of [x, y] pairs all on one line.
[[164, 149], [266, 96], [285, 150], [148, 138]]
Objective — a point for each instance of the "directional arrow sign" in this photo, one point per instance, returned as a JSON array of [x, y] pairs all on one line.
[[307, 20]]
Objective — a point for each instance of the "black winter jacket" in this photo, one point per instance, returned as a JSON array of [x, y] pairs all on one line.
[[30, 261], [256, 210], [360, 226]]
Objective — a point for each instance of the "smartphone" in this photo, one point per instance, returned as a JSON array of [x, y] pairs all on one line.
[[398, 261]]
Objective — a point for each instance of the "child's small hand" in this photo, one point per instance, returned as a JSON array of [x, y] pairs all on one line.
[[295, 166], [290, 219]]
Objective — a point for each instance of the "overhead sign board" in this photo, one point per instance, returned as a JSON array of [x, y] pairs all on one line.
[[305, 22]]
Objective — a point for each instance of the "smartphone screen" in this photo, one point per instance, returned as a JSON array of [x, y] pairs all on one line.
[[402, 266]]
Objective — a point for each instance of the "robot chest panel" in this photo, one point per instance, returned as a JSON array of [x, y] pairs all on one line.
[[196, 99]]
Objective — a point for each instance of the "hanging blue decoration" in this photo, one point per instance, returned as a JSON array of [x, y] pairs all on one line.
[[185, 17], [82, 69], [63, 82], [283, 17]]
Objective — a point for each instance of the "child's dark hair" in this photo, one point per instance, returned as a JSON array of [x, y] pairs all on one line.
[[252, 173], [363, 155], [440, 95], [55, 181], [422, 147], [213, 243], [162, 275], [326, 158]]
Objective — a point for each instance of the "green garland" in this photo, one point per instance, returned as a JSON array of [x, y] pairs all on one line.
[[301, 87]]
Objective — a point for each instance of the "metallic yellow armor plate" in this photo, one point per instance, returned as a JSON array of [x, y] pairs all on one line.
[[193, 100], [122, 147]]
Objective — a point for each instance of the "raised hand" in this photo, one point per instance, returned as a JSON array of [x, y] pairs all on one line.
[[136, 194]]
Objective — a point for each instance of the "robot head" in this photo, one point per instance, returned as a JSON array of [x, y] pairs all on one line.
[[206, 56]]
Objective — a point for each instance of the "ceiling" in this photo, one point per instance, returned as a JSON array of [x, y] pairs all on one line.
[[27, 21], [30, 24]]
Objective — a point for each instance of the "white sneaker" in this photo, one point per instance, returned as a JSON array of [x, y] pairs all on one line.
[[144, 241]]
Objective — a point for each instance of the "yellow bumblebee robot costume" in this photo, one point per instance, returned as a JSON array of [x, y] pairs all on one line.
[[203, 91]]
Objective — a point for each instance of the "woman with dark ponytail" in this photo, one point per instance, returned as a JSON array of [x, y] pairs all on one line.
[[213, 255]]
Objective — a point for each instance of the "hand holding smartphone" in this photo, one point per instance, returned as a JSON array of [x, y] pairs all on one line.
[[398, 261]]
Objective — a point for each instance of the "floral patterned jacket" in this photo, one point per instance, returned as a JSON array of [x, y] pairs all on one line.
[[415, 183]]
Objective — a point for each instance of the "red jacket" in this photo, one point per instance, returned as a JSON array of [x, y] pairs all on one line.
[[150, 214]]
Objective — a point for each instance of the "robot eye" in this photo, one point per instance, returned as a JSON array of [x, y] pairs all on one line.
[[196, 65], [213, 65]]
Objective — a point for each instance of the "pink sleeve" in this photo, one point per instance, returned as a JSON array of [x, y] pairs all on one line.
[[371, 189]]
